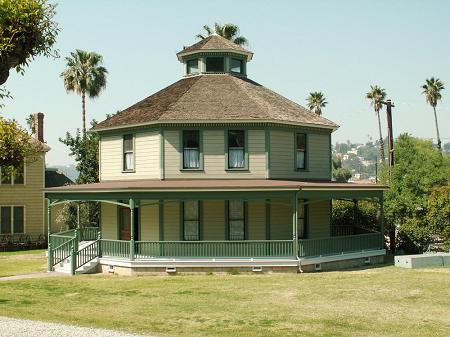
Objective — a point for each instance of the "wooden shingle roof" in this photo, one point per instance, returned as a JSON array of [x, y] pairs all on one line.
[[215, 98], [215, 43]]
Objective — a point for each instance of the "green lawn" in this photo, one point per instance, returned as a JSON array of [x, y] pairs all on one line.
[[384, 301], [22, 262]]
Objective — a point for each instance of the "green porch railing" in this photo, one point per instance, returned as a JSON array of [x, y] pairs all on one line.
[[58, 239], [88, 233], [226, 249], [339, 244], [61, 252], [115, 248]]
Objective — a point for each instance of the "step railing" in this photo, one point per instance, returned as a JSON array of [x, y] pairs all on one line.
[[61, 252], [87, 254], [339, 244]]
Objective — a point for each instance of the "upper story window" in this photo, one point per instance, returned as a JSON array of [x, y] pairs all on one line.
[[191, 149], [215, 64], [191, 220], [300, 151], [236, 149], [16, 179], [236, 220], [192, 66], [128, 152], [236, 66], [11, 219]]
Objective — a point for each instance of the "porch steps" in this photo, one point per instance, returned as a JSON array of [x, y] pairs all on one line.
[[64, 266]]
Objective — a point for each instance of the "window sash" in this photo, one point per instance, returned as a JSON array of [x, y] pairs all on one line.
[[18, 219], [236, 66], [236, 220], [192, 66], [191, 149], [300, 159], [215, 64], [5, 179], [300, 150], [128, 152], [191, 220], [236, 149]]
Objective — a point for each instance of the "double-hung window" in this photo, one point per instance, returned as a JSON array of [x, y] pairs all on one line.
[[236, 220], [191, 149], [300, 151], [11, 219], [236, 149], [128, 152], [302, 219], [191, 220]]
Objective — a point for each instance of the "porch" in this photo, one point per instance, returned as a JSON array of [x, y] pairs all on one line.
[[278, 224]]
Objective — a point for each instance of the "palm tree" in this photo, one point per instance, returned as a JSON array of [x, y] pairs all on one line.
[[84, 75], [376, 96], [432, 90], [316, 101], [228, 31]]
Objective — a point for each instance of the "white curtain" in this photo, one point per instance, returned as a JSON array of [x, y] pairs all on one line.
[[236, 157], [300, 160], [191, 158], [129, 161]]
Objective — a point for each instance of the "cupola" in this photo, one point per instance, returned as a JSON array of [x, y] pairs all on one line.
[[215, 55]]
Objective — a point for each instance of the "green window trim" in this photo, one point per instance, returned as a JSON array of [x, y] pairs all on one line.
[[305, 151], [226, 151], [128, 151], [200, 149]]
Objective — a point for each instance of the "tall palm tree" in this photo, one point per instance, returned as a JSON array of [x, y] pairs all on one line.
[[376, 95], [83, 75], [432, 90], [316, 101], [228, 31]]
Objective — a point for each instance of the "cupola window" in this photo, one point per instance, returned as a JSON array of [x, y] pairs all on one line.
[[236, 66], [192, 66], [215, 64]]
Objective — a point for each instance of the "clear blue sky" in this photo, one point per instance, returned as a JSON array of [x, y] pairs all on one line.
[[338, 47]]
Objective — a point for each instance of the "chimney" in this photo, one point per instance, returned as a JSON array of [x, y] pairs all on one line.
[[39, 126]]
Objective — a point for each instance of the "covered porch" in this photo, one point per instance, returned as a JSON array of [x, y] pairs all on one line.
[[144, 225]]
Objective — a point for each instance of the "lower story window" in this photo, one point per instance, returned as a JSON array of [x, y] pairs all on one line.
[[191, 220], [236, 220], [11, 219], [302, 219]]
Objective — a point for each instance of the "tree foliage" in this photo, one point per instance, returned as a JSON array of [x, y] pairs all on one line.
[[229, 31], [27, 30], [16, 145], [316, 101], [419, 170], [340, 174], [364, 216], [84, 74]]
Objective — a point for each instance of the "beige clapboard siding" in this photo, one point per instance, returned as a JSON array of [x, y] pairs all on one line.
[[30, 195], [108, 221], [319, 219], [281, 219], [213, 220], [214, 156], [149, 220], [282, 156], [147, 150], [256, 210], [172, 221]]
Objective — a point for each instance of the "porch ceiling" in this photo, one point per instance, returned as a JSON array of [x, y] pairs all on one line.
[[214, 188]]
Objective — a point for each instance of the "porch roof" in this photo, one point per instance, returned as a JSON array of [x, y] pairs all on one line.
[[136, 187]]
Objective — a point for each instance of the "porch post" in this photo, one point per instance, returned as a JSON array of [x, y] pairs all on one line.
[[131, 229], [295, 225], [77, 230], [382, 221], [49, 230]]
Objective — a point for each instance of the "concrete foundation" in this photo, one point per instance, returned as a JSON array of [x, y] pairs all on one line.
[[423, 260]]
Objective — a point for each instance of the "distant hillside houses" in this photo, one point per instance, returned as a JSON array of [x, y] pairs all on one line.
[[360, 159]]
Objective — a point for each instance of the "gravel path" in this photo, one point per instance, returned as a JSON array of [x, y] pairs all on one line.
[[12, 327]]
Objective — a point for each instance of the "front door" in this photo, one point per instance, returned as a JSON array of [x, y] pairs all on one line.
[[124, 224]]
